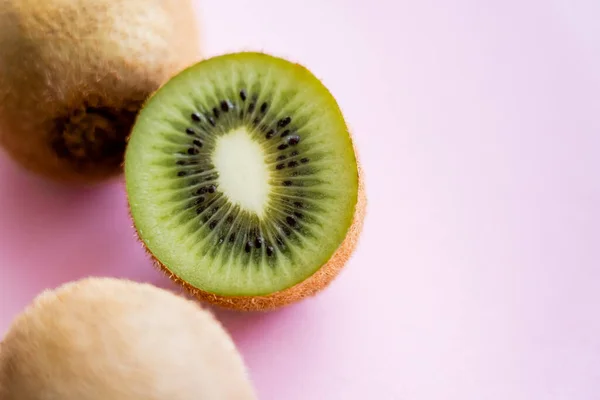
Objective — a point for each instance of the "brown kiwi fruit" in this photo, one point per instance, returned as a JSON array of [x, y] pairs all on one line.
[[74, 73], [105, 338], [243, 181]]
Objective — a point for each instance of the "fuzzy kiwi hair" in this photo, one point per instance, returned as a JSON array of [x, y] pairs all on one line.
[[74, 74], [243, 182], [106, 338]]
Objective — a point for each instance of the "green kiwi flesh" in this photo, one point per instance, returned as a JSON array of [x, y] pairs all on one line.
[[241, 175]]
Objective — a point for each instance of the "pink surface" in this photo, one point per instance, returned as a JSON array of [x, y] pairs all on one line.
[[478, 276]]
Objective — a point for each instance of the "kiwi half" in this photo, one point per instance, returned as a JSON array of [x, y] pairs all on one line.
[[112, 339], [74, 74], [243, 182]]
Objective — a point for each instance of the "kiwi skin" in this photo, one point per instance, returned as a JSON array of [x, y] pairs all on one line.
[[105, 338], [74, 73], [307, 288]]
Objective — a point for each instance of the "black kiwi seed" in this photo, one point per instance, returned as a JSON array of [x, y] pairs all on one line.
[[282, 146], [212, 189], [232, 238], [190, 131], [211, 121], [213, 224], [286, 230], [304, 160], [216, 112], [192, 151], [298, 215], [181, 173], [229, 219], [180, 162], [200, 210], [280, 166], [284, 122], [196, 117], [200, 200], [224, 106], [258, 242], [264, 107], [293, 140], [270, 250], [270, 134], [281, 157], [285, 133], [198, 143], [287, 183], [243, 95], [251, 107], [248, 247], [256, 121], [298, 204], [291, 220], [202, 190], [292, 164], [294, 153]]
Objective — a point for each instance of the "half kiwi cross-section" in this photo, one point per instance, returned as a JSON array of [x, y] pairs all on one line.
[[243, 182]]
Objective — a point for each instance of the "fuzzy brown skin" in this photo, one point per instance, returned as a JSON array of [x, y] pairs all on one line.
[[307, 288], [104, 338], [74, 73]]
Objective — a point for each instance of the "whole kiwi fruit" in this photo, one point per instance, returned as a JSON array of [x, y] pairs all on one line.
[[74, 73], [243, 181], [106, 338]]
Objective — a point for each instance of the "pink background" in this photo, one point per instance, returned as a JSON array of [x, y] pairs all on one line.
[[478, 275]]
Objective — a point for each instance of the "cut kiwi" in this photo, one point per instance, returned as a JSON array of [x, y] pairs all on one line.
[[74, 74], [112, 339], [243, 182]]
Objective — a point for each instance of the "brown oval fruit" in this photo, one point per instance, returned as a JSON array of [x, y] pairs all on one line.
[[74, 73], [103, 338]]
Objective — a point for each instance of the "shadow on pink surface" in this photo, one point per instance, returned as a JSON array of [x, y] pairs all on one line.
[[246, 326], [51, 233]]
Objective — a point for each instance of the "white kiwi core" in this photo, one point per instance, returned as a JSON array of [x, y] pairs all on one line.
[[242, 168]]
